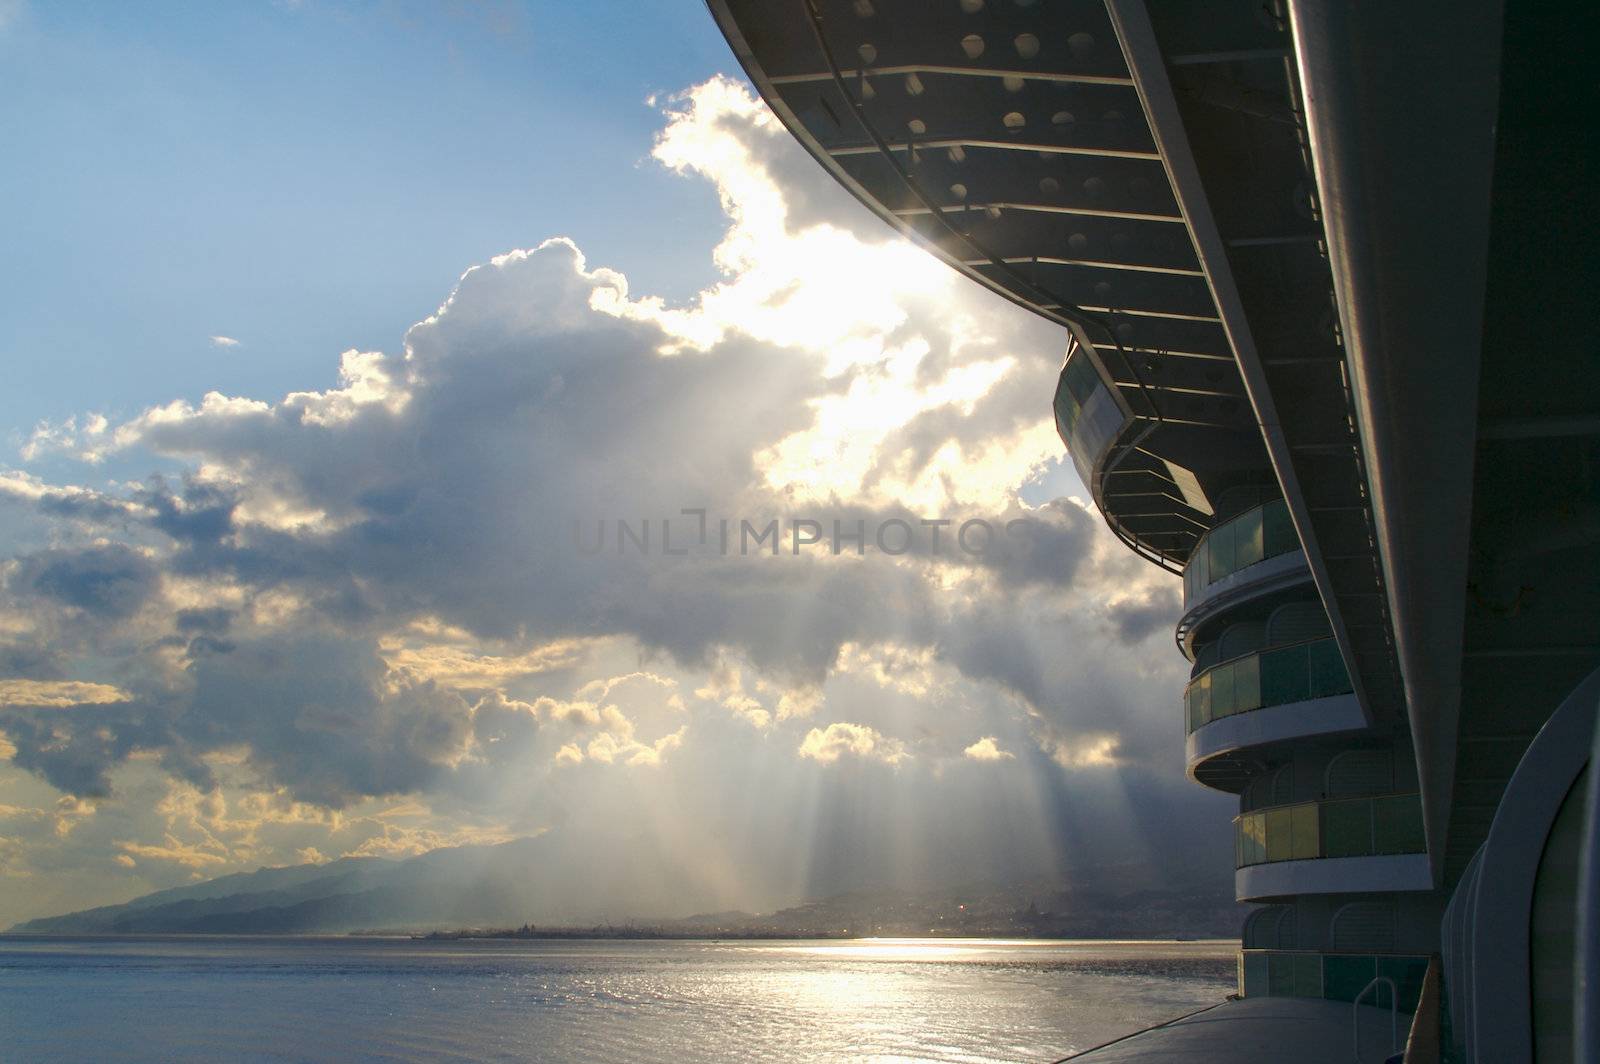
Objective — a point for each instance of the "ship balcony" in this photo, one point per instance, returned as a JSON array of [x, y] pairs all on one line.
[[1123, 446], [1331, 976], [1089, 415], [1279, 693], [1250, 554], [1332, 846]]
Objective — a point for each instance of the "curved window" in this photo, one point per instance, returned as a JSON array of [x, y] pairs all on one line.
[[1259, 533], [1271, 927], [1087, 415], [1272, 677], [1348, 827]]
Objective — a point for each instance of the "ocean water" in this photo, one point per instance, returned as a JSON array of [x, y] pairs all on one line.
[[209, 999]]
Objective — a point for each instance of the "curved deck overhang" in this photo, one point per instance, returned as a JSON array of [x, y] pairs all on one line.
[[1253, 581], [1218, 754], [1333, 875], [1012, 142]]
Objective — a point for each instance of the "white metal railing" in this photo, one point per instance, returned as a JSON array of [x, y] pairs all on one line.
[[1394, 1016]]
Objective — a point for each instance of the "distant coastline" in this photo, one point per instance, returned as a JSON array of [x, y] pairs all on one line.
[[774, 934]]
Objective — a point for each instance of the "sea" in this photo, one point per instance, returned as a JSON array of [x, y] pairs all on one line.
[[189, 998]]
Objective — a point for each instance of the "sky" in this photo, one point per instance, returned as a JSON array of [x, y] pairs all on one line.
[[399, 396]]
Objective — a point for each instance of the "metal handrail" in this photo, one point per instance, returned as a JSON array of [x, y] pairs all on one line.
[[1394, 1016]]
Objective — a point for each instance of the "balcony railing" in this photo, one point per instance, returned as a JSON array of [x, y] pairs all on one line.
[[1331, 976], [1339, 827], [1087, 415], [1274, 676], [1259, 533]]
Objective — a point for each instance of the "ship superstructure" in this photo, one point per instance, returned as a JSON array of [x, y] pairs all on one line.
[[1322, 279]]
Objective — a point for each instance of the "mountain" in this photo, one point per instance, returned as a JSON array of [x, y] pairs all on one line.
[[503, 886], [468, 884]]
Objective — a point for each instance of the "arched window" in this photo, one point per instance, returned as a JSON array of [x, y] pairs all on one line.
[[1356, 772], [1270, 927], [1239, 498], [1297, 622], [1364, 927], [1240, 638]]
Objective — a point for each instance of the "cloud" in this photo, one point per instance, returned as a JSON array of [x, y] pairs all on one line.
[[375, 590], [843, 739], [986, 749], [57, 693], [224, 342]]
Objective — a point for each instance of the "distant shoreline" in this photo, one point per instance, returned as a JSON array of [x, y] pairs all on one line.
[[754, 934], [620, 935]]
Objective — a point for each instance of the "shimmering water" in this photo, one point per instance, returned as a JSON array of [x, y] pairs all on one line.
[[341, 999]]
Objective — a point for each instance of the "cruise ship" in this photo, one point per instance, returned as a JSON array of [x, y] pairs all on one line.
[[1321, 270]]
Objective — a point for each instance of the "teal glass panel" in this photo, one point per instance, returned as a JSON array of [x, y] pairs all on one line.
[[1247, 546], [1343, 977], [1307, 974], [1283, 676], [1397, 824], [1194, 575], [1277, 531], [1222, 692], [1081, 378], [1307, 843], [1247, 683], [1252, 840], [1280, 975], [1407, 973], [1280, 835], [1219, 551], [1255, 974], [1328, 675], [1347, 828]]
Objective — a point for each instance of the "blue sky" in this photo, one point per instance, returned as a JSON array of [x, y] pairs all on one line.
[[309, 177]]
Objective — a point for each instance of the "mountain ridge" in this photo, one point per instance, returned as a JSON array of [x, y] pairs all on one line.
[[503, 885]]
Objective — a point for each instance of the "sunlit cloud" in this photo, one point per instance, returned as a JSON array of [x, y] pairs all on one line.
[[355, 624], [843, 739], [986, 749], [57, 693]]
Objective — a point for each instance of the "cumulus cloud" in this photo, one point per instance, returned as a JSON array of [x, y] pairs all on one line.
[[224, 342], [986, 749], [843, 739], [18, 692], [389, 587]]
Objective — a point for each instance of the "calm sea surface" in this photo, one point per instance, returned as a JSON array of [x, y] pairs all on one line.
[[341, 999]]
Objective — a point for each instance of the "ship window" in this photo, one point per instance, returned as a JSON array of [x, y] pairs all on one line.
[[1347, 829], [1328, 674], [1307, 838], [1283, 676]]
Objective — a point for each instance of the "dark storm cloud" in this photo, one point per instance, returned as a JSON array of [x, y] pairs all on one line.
[[103, 583]]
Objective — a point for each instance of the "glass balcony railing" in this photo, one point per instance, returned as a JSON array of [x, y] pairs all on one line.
[[1259, 533], [1338, 827], [1087, 415], [1275, 676], [1331, 976]]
